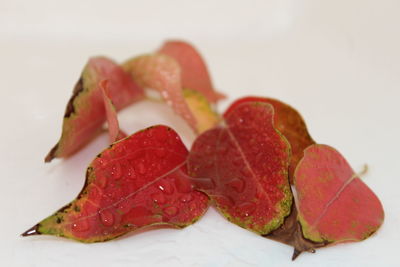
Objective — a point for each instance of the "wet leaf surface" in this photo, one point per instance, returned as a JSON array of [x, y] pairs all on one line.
[[247, 160], [139, 181], [290, 123]]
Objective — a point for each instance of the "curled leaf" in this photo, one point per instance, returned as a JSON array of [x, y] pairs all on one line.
[[85, 112], [163, 73], [139, 181], [194, 70], [290, 123], [206, 117], [247, 160], [111, 113]]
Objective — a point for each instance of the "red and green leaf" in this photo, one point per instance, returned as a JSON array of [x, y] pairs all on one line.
[[334, 205], [163, 73], [194, 71], [138, 181], [111, 114], [289, 122], [206, 117], [247, 160], [85, 112]]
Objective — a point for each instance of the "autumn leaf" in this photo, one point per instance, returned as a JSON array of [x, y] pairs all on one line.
[[138, 181], [290, 123], [162, 73], [111, 113], [85, 112], [334, 205], [194, 71], [206, 117], [247, 160]]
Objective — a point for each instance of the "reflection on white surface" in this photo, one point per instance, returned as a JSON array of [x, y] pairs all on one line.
[[338, 62]]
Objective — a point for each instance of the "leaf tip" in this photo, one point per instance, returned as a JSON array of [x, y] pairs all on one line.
[[51, 155], [32, 231], [296, 253]]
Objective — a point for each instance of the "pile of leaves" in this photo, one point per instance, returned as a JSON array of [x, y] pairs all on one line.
[[256, 163]]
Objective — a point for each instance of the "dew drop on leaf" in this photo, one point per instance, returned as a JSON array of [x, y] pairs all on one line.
[[106, 218], [186, 198], [158, 198], [171, 211]]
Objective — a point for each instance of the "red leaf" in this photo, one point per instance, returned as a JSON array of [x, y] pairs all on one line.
[[290, 123], [85, 112], [111, 113], [195, 75], [138, 181], [247, 160], [163, 73], [334, 205]]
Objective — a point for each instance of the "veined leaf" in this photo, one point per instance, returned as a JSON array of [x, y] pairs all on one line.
[[138, 181], [290, 123], [247, 159]]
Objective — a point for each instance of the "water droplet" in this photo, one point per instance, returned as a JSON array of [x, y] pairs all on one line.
[[94, 194], [158, 198], [192, 206], [125, 206], [80, 225], [101, 180], [183, 184], [165, 187], [140, 168], [205, 183], [106, 218], [186, 198], [236, 184], [247, 208], [116, 171], [171, 211]]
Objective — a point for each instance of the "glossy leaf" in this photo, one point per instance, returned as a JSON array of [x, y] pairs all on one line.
[[334, 205], [247, 160], [290, 123], [85, 112], [139, 181], [194, 70], [163, 73]]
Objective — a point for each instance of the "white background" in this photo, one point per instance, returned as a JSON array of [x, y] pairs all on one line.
[[338, 62]]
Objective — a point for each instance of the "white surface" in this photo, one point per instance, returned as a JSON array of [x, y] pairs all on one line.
[[338, 62]]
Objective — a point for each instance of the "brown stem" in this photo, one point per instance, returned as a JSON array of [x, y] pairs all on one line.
[[290, 233]]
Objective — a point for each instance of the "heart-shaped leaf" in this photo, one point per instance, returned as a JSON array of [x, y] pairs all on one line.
[[194, 71], [290, 123], [334, 205], [138, 181], [247, 159], [85, 112]]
